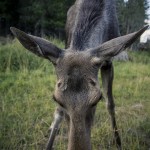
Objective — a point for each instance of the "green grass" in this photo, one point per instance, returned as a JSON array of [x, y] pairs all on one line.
[[26, 106]]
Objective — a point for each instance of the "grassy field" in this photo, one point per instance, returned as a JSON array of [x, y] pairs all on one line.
[[26, 106]]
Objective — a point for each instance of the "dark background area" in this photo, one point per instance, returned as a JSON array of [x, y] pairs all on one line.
[[47, 17]]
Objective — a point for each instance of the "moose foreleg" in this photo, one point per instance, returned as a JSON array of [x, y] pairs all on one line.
[[58, 116], [107, 81]]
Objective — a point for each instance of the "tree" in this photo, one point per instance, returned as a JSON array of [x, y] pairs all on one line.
[[131, 14], [8, 15], [47, 15]]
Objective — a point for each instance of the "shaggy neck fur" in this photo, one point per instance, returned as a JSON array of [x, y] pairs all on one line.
[[95, 23], [89, 14]]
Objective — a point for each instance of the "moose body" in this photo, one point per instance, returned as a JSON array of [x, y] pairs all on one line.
[[90, 23]]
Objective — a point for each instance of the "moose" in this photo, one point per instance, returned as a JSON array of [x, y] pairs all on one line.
[[93, 39]]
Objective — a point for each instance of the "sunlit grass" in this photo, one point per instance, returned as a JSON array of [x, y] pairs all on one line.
[[26, 87]]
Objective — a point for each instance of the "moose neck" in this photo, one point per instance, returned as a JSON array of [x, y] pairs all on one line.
[[90, 13], [95, 22], [79, 135]]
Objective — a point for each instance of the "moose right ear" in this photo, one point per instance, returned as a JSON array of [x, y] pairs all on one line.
[[38, 46], [113, 47]]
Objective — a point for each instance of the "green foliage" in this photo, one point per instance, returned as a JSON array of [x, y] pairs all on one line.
[[48, 17], [6, 9], [45, 13], [26, 87], [42, 17]]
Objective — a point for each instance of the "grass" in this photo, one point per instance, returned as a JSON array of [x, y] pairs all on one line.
[[26, 86]]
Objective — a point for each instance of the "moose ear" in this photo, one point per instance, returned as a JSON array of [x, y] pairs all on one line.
[[117, 45], [36, 45]]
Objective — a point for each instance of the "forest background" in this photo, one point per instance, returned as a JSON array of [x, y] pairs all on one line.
[[48, 17]]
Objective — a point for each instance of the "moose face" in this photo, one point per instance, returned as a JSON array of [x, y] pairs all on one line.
[[77, 89]]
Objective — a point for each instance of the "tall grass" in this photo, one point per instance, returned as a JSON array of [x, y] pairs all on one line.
[[26, 86], [14, 57]]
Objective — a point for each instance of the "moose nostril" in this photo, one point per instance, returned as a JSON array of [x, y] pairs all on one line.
[[58, 101], [59, 84]]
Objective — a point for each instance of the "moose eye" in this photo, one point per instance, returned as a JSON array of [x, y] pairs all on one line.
[[92, 82], [97, 65]]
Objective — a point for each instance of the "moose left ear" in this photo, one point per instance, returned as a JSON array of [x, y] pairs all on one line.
[[117, 45], [38, 46]]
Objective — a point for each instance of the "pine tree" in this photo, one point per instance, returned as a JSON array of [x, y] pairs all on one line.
[[131, 14]]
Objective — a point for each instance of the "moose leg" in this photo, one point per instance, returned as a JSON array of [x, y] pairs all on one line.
[[107, 81], [58, 116]]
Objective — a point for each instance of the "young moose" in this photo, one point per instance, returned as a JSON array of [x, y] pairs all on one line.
[[93, 41]]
